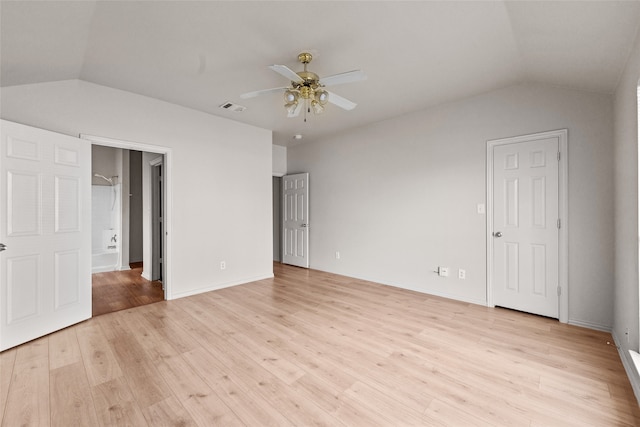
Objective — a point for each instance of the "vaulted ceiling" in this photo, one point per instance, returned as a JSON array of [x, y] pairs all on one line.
[[415, 54]]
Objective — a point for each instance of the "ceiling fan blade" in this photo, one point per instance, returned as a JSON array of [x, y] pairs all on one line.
[[348, 77], [296, 112], [262, 92], [287, 72], [340, 101]]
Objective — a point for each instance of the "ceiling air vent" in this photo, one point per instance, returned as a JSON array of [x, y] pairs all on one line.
[[232, 107]]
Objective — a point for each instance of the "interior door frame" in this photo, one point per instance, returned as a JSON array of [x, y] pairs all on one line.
[[563, 214], [156, 221], [168, 196]]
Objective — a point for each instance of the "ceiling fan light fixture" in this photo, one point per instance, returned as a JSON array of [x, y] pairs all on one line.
[[291, 96], [291, 107], [318, 108], [307, 89], [321, 96]]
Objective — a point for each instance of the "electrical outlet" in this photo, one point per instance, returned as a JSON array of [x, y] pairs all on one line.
[[337, 255], [462, 274], [223, 265], [443, 271]]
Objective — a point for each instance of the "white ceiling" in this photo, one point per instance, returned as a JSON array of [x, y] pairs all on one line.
[[416, 54]]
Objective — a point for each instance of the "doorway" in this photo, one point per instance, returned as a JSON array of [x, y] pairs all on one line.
[[277, 217], [143, 276], [527, 225]]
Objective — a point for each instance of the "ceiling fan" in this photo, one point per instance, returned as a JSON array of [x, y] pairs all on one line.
[[307, 88]]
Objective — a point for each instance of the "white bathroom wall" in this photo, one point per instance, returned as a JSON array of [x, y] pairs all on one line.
[[104, 161], [105, 217]]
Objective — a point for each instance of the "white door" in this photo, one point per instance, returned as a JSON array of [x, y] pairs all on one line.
[[295, 219], [45, 225], [525, 228]]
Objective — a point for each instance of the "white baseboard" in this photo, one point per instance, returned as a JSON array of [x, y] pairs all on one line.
[[631, 362], [217, 286], [146, 275], [415, 289], [590, 325]]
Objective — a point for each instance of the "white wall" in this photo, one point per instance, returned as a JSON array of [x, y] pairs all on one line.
[[221, 173], [626, 213], [399, 198], [279, 159]]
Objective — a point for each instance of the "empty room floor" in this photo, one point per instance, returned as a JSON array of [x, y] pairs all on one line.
[[312, 348], [119, 290]]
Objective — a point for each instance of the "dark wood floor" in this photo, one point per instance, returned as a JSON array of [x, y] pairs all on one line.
[[119, 290]]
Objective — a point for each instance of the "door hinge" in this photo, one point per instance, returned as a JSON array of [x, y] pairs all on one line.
[[558, 223], [558, 156], [559, 291]]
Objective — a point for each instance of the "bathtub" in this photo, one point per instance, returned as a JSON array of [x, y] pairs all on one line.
[[104, 261]]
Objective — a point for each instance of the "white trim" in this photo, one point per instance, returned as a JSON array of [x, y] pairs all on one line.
[[631, 365], [167, 152], [222, 286], [590, 325], [148, 267], [563, 213], [417, 288]]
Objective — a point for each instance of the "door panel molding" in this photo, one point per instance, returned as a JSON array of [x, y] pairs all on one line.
[[45, 273], [563, 213], [295, 219]]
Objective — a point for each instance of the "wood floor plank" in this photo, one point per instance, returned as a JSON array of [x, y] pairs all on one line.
[[64, 348], [388, 408], [7, 362], [71, 401], [313, 348], [168, 413], [140, 372], [243, 401], [115, 404], [205, 407], [97, 353], [28, 397]]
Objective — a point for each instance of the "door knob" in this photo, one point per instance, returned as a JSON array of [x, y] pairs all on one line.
[[3, 247], [303, 225], [497, 234]]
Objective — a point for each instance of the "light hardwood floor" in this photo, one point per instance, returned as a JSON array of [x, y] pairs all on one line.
[[312, 348]]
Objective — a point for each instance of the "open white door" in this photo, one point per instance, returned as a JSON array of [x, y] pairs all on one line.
[[295, 220], [45, 227]]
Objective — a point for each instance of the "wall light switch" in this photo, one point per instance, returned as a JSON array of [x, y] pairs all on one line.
[[481, 209], [443, 271]]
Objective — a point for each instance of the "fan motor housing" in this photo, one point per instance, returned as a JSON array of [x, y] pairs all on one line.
[[309, 78]]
